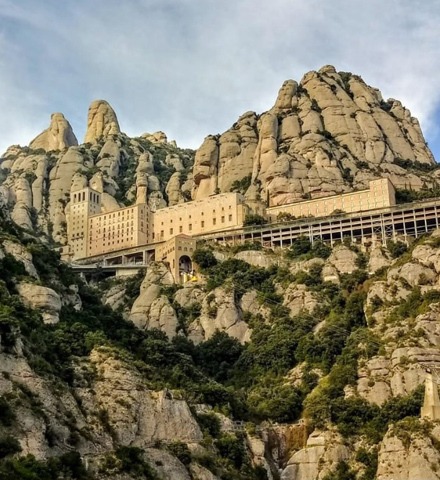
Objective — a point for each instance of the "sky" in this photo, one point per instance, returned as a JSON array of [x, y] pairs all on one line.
[[192, 67]]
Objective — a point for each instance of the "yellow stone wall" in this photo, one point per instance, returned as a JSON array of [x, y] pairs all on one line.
[[380, 194]]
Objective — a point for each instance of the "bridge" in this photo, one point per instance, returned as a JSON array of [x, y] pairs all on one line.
[[406, 222]]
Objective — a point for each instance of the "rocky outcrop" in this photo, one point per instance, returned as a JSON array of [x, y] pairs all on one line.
[[138, 416], [219, 312], [324, 136], [101, 121], [323, 452], [257, 258], [405, 455], [20, 254], [298, 299], [343, 259], [151, 309], [43, 299], [58, 136]]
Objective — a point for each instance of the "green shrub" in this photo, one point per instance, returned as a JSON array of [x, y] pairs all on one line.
[[204, 258], [7, 415], [242, 185], [396, 248], [232, 448], [342, 471], [209, 422], [254, 219], [181, 451], [8, 446], [132, 462]]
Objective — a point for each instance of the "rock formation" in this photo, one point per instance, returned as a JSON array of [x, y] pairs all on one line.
[[329, 134], [101, 121], [58, 136]]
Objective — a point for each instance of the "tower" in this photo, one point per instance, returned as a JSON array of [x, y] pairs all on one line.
[[84, 203]]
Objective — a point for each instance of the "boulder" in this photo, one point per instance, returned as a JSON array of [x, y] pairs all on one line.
[[43, 299]]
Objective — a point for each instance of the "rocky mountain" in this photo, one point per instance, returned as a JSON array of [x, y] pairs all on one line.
[[301, 363], [330, 133], [294, 364]]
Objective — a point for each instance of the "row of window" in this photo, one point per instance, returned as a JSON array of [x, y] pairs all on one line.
[[81, 197]]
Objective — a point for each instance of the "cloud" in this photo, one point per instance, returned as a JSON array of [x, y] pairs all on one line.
[[191, 67]]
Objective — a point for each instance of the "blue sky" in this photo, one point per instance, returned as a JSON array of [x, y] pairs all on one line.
[[191, 67]]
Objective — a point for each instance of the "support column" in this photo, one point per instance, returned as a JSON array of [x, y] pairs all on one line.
[[431, 403]]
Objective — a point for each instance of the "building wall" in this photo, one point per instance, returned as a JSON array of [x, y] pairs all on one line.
[[380, 194], [219, 212], [83, 204], [177, 252], [123, 228]]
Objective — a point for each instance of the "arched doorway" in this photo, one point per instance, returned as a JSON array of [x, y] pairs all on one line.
[[185, 264], [185, 268]]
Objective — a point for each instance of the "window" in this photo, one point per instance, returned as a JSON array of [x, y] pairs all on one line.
[[203, 224], [214, 221], [190, 227], [223, 219], [230, 218], [180, 229], [171, 231]]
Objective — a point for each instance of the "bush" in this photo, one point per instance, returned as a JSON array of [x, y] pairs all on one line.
[[132, 462], [396, 248], [254, 219], [209, 422], [300, 246], [8, 446], [181, 451], [7, 415], [204, 258], [232, 448]]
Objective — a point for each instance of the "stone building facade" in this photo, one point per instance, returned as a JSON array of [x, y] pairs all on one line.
[[380, 194], [93, 233]]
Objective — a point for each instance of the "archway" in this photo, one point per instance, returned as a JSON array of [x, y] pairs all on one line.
[[185, 264]]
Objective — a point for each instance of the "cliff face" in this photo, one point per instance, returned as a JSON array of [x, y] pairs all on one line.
[[331, 133], [319, 352]]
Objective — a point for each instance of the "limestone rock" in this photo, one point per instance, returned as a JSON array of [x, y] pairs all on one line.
[[413, 273], [319, 135], [323, 452], [137, 415], [114, 296], [343, 259], [150, 309], [298, 298], [44, 299], [379, 258], [201, 473], [58, 136], [166, 465], [61, 177], [397, 460], [109, 158], [101, 121], [256, 258], [220, 312], [174, 191], [191, 294], [21, 255]]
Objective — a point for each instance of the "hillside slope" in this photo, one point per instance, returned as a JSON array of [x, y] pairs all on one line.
[[320, 352]]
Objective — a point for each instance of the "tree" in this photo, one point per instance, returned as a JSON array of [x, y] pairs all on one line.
[[254, 219], [204, 258]]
